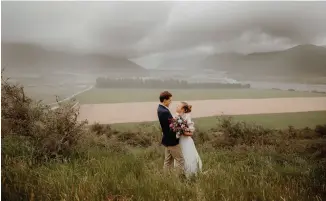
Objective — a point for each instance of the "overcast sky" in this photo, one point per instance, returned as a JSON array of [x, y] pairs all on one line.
[[158, 31]]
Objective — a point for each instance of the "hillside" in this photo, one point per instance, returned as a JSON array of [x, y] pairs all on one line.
[[299, 60], [186, 62], [28, 57]]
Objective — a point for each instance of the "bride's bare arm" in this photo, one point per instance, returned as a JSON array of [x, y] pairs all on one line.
[[187, 134], [191, 124], [191, 127]]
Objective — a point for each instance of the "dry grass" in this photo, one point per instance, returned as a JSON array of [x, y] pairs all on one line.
[[241, 161]]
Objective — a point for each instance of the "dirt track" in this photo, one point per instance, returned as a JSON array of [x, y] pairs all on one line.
[[147, 111]]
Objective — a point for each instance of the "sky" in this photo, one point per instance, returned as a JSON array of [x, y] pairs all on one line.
[[151, 33]]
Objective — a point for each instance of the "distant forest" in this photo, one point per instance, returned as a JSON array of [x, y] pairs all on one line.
[[156, 83]]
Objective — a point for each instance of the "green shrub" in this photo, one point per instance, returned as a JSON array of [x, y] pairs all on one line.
[[243, 133], [321, 130], [53, 133]]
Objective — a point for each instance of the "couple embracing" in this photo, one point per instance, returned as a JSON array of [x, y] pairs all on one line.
[[180, 150]]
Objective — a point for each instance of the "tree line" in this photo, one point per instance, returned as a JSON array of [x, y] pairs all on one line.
[[157, 83]]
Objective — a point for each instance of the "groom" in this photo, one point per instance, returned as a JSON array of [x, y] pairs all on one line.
[[169, 139]]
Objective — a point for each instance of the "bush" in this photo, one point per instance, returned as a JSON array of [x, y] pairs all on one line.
[[100, 129], [243, 133], [135, 139], [232, 134], [321, 130], [53, 133]]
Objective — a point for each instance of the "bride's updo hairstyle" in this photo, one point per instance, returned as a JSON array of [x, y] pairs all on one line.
[[186, 107]]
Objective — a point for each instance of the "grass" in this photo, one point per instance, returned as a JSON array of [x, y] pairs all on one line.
[[234, 176], [97, 96], [48, 155], [287, 166], [302, 79], [307, 80], [275, 121]]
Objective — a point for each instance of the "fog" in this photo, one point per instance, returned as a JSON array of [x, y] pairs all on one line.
[[144, 29], [155, 35]]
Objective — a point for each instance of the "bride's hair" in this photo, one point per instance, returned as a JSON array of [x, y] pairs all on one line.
[[186, 107]]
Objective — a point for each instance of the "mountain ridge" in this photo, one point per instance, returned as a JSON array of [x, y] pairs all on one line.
[[301, 59], [30, 56]]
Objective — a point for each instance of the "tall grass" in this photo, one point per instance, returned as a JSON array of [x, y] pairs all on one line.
[[240, 173], [241, 162]]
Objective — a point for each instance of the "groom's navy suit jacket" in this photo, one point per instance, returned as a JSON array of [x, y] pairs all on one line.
[[169, 137]]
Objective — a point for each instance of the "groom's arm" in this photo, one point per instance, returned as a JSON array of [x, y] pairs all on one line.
[[167, 116]]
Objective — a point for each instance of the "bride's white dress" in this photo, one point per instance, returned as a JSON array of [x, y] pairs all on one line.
[[193, 163]]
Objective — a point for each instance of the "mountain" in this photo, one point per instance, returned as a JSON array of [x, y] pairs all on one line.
[[181, 63], [23, 57], [299, 60]]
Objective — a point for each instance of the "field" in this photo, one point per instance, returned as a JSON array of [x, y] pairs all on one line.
[[49, 155], [98, 96], [273, 121], [146, 111], [49, 94], [303, 79]]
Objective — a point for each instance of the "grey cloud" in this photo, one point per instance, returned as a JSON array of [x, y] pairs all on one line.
[[214, 22], [111, 27], [164, 30]]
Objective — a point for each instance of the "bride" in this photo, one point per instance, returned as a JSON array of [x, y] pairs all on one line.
[[193, 163]]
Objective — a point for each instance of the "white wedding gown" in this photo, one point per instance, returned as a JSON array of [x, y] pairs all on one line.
[[193, 163]]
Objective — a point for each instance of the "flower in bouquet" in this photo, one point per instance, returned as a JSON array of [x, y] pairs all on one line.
[[178, 125]]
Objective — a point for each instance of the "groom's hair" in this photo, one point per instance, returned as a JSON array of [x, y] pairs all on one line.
[[165, 95]]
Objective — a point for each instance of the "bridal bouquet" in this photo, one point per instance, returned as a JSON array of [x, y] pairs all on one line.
[[179, 125]]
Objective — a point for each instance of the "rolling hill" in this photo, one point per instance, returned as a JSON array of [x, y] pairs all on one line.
[[33, 58], [300, 60]]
